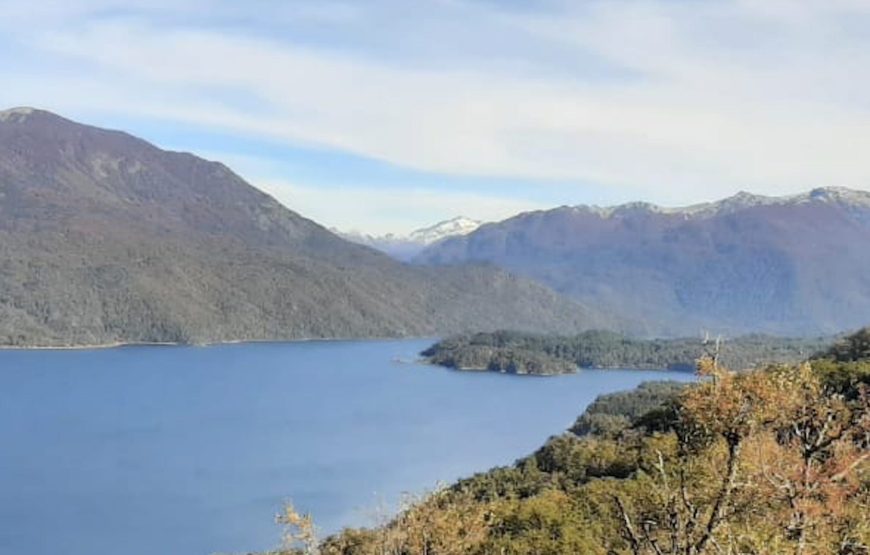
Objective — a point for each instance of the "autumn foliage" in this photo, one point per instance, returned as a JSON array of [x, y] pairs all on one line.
[[774, 461]]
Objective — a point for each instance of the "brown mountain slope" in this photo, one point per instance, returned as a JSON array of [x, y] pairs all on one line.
[[105, 238]]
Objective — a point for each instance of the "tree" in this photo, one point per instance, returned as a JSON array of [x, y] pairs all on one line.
[[760, 459], [810, 462], [300, 534]]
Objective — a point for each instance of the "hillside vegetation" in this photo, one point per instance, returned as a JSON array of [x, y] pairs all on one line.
[[792, 266], [767, 462], [106, 238], [526, 353]]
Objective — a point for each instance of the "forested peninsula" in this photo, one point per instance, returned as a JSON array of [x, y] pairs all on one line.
[[533, 354]]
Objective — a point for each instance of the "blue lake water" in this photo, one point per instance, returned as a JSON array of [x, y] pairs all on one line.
[[192, 451]]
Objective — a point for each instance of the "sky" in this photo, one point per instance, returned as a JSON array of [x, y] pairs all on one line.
[[389, 115]]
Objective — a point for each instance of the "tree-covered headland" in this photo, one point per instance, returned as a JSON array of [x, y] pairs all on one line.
[[526, 353]]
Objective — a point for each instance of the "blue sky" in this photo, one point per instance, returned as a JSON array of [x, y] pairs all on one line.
[[387, 115]]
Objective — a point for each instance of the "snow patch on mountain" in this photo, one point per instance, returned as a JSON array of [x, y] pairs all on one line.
[[405, 247], [740, 201], [16, 114]]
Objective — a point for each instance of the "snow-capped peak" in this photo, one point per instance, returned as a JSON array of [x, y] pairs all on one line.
[[405, 247], [16, 114], [448, 228], [736, 202]]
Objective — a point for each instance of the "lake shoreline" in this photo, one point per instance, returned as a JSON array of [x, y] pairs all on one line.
[[178, 437], [122, 344], [472, 370]]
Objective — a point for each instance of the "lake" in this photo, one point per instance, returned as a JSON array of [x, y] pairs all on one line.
[[193, 450]]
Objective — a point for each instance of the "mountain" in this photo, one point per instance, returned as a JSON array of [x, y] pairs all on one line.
[[106, 238], [406, 247], [749, 263], [442, 230]]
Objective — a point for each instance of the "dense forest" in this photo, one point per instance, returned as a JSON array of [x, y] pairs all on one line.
[[105, 239], [770, 461], [526, 353]]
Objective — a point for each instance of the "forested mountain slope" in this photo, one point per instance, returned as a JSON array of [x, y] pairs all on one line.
[[781, 265], [106, 238]]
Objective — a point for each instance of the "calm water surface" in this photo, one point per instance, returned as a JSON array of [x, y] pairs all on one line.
[[191, 451]]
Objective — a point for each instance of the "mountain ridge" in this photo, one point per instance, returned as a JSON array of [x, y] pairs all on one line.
[[738, 201], [795, 265], [105, 238]]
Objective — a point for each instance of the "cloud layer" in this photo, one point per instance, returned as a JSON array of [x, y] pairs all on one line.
[[671, 101]]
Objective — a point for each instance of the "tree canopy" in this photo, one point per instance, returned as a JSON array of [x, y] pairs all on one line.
[[526, 353]]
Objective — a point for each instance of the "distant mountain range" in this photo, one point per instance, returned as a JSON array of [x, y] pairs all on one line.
[[786, 265], [406, 247], [106, 238]]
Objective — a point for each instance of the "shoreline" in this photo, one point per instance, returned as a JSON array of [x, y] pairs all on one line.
[[122, 344], [579, 369], [89, 347]]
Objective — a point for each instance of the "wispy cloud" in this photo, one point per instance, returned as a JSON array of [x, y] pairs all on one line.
[[672, 101]]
